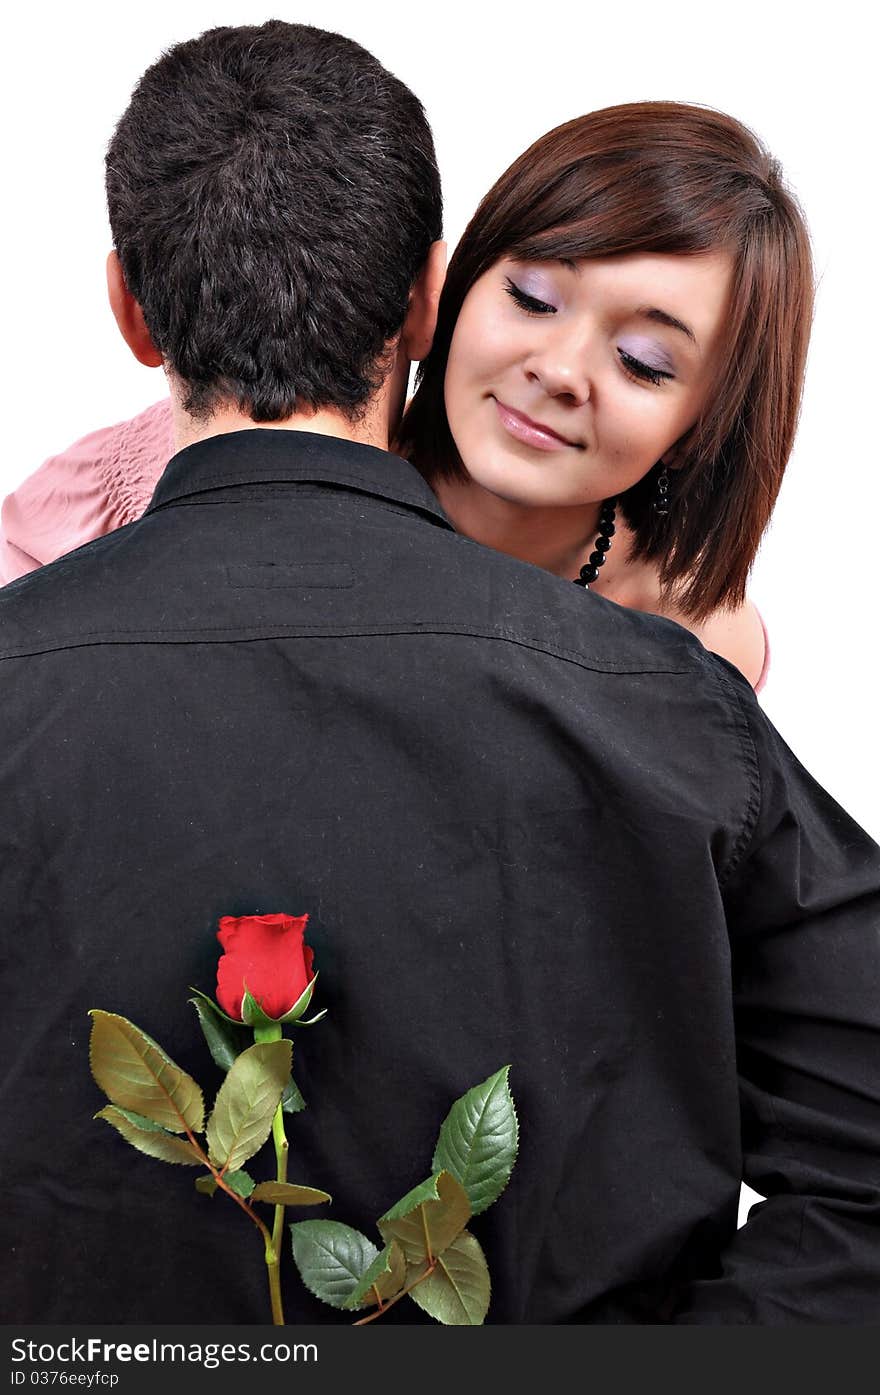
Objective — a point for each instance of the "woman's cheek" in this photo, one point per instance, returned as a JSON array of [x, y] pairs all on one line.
[[493, 346]]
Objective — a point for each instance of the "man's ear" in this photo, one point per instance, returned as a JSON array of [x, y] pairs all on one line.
[[421, 317], [129, 316]]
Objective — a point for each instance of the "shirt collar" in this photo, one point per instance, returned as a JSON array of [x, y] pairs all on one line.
[[256, 456]]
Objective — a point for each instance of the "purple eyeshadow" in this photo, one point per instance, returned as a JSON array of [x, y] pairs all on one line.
[[539, 287], [648, 351]]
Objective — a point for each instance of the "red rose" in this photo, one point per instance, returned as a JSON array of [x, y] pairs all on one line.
[[267, 955]]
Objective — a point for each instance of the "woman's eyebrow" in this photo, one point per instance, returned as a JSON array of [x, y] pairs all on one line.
[[662, 317]]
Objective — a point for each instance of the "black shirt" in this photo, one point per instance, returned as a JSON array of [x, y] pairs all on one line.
[[528, 825]]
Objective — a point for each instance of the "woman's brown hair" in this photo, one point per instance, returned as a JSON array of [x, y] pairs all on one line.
[[661, 177]]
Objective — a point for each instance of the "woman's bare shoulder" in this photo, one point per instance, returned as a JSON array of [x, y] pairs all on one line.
[[738, 636]]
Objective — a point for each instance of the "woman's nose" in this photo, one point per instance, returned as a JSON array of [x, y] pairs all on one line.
[[559, 364]]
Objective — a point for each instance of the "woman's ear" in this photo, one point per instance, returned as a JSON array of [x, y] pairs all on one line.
[[672, 459], [129, 316], [421, 316]]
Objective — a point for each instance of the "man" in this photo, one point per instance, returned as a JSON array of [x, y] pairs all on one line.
[[528, 827]]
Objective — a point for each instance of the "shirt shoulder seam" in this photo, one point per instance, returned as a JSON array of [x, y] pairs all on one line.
[[220, 634], [735, 701]]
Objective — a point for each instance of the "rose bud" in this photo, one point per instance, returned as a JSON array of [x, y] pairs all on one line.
[[267, 956]]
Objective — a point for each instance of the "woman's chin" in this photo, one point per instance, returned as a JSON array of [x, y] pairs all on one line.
[[521, 488]]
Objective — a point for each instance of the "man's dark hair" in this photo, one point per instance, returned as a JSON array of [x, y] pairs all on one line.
[[273, 192]]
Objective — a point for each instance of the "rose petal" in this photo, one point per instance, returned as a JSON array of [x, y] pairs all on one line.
[[268, 954]]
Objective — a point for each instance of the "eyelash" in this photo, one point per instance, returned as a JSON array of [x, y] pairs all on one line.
[[529, 303], [642, 372], [633, 367]]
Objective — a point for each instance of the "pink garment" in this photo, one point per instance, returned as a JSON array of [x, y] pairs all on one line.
[[103, 481]]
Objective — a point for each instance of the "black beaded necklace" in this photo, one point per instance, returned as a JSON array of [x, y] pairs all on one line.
[[590, 571]]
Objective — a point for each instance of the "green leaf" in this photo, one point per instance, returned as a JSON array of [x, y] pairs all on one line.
[[289, 1194], [152, 1140], [135, 1073], [241, 1182], [246, 1103], [457, 1293], [292, 1101], [253, 1014], [478, 1141], [226, 1040], [428, 1218], [310, 1021], [332, 1258], [301, 1003], [215, 1007], [385, 1277], [140, 1121]]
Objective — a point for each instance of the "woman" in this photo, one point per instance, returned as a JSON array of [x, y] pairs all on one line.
[[625, 320], [534, 307]]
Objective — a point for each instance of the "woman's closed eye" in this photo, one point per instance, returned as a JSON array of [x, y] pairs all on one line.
[[636, 368], [529, 303]]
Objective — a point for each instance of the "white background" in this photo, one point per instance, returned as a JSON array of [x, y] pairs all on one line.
[[493, 77]]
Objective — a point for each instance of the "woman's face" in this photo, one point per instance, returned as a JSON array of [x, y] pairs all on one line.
[[567, 381]]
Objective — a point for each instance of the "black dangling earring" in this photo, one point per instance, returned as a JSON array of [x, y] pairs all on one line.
[[661, 497], [590, 571]]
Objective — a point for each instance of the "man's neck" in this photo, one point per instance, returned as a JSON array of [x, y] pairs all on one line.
[[371, 430]]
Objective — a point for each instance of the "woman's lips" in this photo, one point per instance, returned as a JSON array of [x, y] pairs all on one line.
[[531, 433]]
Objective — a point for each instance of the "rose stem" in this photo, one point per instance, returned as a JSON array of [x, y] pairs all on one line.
[[383, 1308], [281, 1148], [270, 1248], [271, 1031]]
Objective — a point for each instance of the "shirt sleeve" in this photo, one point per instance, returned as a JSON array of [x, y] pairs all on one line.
[[804, 917], [103, 481]]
